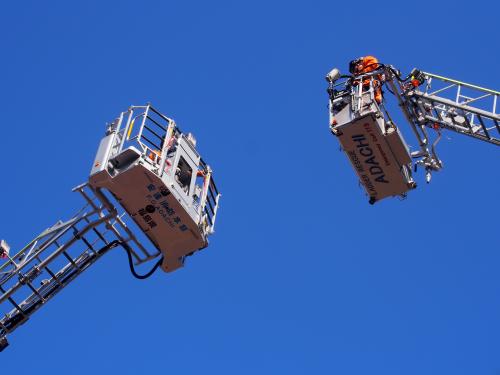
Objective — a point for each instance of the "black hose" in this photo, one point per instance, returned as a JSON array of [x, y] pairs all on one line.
[[128, 250], [397, 73]]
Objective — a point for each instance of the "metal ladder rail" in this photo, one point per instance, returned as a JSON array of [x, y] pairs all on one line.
[[435, 111], [87, 236], [56, 281], [448, 107], [99, 201]]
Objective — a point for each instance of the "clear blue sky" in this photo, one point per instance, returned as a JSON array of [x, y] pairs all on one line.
[[302, 276]]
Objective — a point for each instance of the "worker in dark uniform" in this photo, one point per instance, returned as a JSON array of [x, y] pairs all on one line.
[[365, 65]]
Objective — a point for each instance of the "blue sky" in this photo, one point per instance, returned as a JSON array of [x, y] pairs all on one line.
[[302, 275]]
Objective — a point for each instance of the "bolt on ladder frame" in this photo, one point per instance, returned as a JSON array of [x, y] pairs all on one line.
[[438, 102], [53, 259]]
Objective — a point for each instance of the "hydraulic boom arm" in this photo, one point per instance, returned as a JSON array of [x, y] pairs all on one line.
[[440, 102]]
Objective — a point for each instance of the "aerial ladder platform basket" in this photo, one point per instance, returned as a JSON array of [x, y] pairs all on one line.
[[146, 171], [157, 175], [373, 144], [430, 103]]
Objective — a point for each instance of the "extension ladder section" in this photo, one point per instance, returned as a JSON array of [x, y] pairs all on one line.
[[440, 102], [53, 259]]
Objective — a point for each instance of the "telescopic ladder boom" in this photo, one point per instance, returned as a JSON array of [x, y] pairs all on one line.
[[53, 259], [440, 102]]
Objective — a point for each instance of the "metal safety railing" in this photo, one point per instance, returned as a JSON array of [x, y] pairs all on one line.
[[209, 201], [148, 129], [361, 89], [155, 136]]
